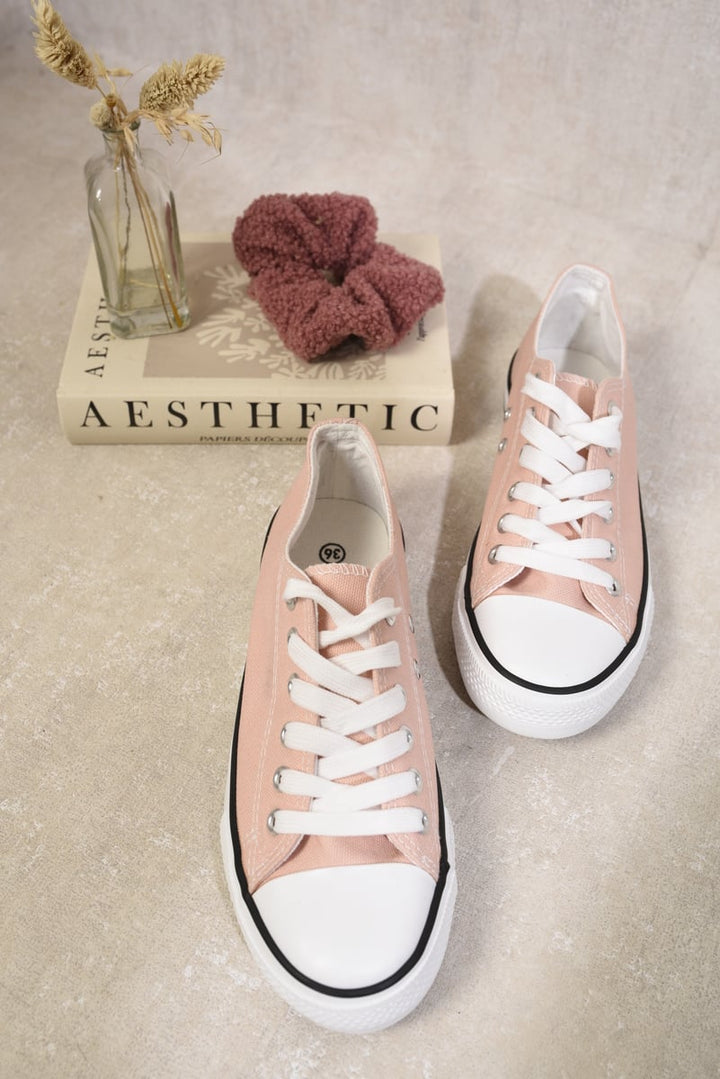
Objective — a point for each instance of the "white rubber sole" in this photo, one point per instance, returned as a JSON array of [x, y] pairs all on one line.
[[536, 713], [346, 1014]]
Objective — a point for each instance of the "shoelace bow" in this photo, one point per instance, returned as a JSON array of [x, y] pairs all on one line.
[[554, 453], [344, 699]]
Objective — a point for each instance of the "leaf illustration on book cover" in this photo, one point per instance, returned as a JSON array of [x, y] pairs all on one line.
[[225, 326], [371, 365], [231, 282], [248, 351], [283, 363]]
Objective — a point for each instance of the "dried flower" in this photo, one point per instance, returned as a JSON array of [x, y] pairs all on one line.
[[184, 121], [166, 98], [165, 89], [202, 72], [102, 116], [58, 50], [173, 86]]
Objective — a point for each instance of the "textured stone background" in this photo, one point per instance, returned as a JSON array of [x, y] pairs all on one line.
[[585, 941]]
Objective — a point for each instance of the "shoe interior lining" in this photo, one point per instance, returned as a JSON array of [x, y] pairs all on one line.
[[579, 331], [338, 530], [347, 519]]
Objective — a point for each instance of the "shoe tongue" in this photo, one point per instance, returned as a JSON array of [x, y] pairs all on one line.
[[581, 390], [344, 582]]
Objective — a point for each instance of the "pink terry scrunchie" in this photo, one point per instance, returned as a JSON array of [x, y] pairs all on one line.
[[320, 276]]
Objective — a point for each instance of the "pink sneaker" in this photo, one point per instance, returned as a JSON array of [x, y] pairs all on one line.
[[554, 606], [337, 851]]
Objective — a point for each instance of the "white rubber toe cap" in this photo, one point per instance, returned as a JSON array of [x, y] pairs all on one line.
[[347, 927], [547, 643]]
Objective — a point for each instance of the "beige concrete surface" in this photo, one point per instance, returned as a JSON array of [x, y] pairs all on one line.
[[528, 136]]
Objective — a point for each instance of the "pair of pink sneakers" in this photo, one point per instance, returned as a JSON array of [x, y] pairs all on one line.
[[337, 848]]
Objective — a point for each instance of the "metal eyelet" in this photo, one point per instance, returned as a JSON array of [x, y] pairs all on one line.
[[507, 413], [492, 555], [411, 624], [612, 481], [613, 553], [416, 667], [290, 603], [612, 409], [271, 822], [277, 778], [511, 493], [425, 823], [531, 410], [418, 780], [501, 523], [283, 734], [291, 633], [614, 588], [408, 735], [290, 681], [390, 619], [501, 445], [609, 515]]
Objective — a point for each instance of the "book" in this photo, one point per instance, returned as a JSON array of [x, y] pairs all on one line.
[[228, 378]]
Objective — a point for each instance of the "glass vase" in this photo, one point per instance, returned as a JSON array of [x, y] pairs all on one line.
[[135, 232]]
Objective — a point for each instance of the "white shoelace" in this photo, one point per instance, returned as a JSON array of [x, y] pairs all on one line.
[[553, 452], [345, 701]]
